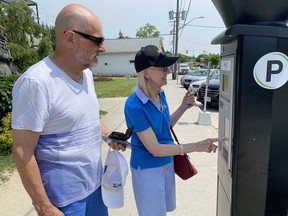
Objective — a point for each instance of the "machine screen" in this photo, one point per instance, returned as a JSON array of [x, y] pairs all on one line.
[[225, 83]]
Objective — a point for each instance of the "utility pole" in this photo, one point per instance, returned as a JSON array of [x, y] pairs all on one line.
[[175, 32], [175, 71]]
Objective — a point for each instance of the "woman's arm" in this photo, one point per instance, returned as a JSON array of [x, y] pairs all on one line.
[[149, 140]]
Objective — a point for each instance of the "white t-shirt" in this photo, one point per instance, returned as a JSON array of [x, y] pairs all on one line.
[[66, 114]]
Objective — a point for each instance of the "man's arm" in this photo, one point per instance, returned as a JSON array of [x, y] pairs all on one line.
[[104, 129], [24, 144]]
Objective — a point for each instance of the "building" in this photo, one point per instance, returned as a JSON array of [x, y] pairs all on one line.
[[119, 56]]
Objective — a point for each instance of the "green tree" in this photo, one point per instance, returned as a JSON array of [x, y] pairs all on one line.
[[47, 43], [215, 60], [147, 31], [183, 58], [24, 34], [17, 19], [121, 35], [202, 58], [23, 58]]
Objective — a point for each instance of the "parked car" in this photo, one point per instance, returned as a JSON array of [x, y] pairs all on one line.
[[212, 93], [197, 76], [194, 86], [184, 68], [193, 77]]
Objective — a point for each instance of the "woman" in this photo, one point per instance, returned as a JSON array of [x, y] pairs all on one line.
[[153, 147]]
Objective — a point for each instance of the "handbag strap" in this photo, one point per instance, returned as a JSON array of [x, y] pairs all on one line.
[[174, 134]]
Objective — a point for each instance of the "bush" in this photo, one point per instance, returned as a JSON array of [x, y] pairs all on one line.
[[6, 143], [102, 78], [134, 75], [6, 85]]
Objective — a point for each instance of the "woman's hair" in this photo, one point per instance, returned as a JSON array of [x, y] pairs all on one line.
[[143, 84]]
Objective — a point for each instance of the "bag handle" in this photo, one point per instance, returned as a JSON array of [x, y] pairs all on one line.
[[174, 134]]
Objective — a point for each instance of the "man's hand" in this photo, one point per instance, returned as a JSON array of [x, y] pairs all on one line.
[[48, 210], [117, 146]]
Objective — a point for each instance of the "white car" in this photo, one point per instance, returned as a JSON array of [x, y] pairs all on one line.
[[184, 68], [194, 86]]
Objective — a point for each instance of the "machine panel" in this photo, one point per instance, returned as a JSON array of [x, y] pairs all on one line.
[[226, 94]]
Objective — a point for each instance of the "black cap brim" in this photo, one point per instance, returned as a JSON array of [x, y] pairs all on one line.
[[166, 62]]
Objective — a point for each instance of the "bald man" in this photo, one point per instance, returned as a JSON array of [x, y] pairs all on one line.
[[56, 123]]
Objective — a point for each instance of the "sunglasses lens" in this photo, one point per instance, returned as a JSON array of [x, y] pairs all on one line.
[[99, 41]]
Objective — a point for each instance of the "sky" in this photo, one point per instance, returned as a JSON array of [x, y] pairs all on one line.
[[130, 15]]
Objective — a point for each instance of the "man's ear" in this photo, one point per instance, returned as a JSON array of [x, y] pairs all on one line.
[[69, 38]]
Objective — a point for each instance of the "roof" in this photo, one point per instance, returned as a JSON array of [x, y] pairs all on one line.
[[129, 45]]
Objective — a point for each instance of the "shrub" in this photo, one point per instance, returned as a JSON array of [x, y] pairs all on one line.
[[6, 135], [102, 78], [6, 85], [134, 75]]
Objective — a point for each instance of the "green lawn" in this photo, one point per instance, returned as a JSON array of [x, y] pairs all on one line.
[[117, 87]]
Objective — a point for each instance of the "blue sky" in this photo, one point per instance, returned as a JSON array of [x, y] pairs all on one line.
[[129, 15]]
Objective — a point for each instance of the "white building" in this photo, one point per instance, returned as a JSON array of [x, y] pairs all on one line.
[[119, 56]]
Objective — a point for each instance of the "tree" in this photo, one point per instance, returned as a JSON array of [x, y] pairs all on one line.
[[184, 58], [121, 35], [17, 19], [147, 31], [213, 58], [47, 43], [24, 34]]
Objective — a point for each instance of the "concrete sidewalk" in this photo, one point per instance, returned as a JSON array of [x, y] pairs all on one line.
[[195, 197]]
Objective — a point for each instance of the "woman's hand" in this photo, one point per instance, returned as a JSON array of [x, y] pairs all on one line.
[[188, 100], [208, 145]]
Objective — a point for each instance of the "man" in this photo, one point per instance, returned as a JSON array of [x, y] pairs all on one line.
[[56, 123]]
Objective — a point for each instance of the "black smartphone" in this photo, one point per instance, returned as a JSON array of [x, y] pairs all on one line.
[[121, 136]]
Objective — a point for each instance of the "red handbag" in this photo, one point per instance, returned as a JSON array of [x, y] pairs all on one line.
[[182, 164]]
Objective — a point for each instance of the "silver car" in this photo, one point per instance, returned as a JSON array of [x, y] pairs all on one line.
[[197, 75], [194, 86]]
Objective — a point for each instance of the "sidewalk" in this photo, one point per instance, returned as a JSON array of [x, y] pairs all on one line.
[[195, 197]]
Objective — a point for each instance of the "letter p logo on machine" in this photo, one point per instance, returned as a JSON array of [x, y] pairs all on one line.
[[271, 70]]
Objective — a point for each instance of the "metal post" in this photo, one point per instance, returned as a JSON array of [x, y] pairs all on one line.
[[207, 83]]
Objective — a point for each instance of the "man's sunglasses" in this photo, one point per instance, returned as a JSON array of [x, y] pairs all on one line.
[[97, 40]]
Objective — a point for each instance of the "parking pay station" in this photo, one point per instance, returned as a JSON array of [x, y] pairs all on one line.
[[253, 108]]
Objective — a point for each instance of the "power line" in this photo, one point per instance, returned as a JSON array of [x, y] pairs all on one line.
[[203, 26]]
